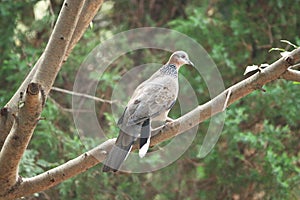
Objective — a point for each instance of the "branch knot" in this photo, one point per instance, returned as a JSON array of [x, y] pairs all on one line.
[[290, 60], [33, 88]]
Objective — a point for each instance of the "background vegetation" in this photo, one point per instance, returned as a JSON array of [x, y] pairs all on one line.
[[257, 156]]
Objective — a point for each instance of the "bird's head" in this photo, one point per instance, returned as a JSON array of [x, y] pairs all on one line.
[[179, 58]]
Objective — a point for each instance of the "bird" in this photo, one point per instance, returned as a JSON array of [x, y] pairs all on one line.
[[151, 101]]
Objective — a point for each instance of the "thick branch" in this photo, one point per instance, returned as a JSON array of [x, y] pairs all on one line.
[[15, 136], [49, 65], [58, 44], [199, 114], [12, 106], [62, 172], [216, 105], [6, 123], [19, 136], [87, 13], [291, 75], [50, 61]]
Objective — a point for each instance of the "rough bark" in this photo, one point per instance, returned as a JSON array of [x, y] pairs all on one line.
[[6, 122], [18, 121], [291, 75], [19, 136], [61, 173], [87, 13]]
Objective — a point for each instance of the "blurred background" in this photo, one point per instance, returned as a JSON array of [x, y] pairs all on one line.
[[257, 156]]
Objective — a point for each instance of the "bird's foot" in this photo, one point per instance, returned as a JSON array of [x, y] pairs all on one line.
[[169, 120]]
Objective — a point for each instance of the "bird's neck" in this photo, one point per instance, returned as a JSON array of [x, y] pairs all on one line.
[[169, 69]]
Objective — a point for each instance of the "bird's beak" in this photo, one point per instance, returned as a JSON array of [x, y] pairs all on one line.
[[191, 63]]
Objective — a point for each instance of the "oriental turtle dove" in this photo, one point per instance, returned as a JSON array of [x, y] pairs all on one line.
[[151, 101]]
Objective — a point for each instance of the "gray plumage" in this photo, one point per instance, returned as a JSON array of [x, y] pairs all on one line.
[[151, 101]]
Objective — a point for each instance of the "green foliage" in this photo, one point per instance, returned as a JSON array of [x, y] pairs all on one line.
[[257, 156], [20, 45], [31, 165]]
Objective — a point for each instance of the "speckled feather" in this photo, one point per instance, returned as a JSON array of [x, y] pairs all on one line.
[[151, 101]]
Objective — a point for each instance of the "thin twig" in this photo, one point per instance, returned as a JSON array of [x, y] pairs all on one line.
[[67, 110], [82, 95], [295, 67], [227, 99]]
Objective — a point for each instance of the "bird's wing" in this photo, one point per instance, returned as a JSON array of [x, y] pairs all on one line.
[[151, 99]]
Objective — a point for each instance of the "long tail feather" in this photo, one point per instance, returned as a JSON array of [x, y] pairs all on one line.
[[145, 138], [117, 154]]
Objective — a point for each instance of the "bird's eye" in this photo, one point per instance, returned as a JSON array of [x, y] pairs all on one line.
[[183, 56]]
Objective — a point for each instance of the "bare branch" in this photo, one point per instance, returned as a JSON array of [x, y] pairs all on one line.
[[58, 44], [19, 136], [6, 123], [63, 172], [13, 102], [45, 73], [67, 110], [291, 75], [88, 12], [180, 125], [227, 99], [216, 105], [82, 95]]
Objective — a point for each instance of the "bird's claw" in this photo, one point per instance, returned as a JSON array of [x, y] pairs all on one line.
[[169, 120]]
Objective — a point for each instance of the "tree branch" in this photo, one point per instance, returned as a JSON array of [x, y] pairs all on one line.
[[58, 44], [82, 95], [186, 122], [12, 106], [216, 105], [19, 136], [87, 13], [63, 172], [49, 64], [6, 123], [291, 75]]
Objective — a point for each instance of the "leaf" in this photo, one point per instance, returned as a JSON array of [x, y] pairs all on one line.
[[276, 49], [200, 172]]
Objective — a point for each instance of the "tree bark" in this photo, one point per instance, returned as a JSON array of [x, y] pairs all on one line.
[[20, 135], [86, 15]]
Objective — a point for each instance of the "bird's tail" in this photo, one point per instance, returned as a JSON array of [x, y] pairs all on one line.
[[117, 154]]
